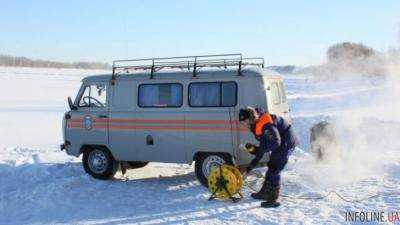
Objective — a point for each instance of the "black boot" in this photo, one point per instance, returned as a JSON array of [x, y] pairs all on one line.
[[272, 197], [267, 193], [261, 195], [272, 193]]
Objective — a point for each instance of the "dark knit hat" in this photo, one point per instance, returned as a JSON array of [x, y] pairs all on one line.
[[245, 114]]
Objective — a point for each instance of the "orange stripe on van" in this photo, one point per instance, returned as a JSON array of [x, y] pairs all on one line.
[[159, 121], [156, 124], [159, 128], [169, 128], [80, 120]]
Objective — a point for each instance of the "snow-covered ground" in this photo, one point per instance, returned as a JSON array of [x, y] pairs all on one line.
[[41, 185]]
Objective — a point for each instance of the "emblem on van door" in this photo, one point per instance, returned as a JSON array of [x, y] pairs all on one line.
[[88, 122]]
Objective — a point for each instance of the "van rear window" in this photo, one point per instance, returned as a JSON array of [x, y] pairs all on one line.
[[213, 94], [160, 95]]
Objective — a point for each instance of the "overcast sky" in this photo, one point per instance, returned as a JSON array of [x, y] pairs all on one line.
[[284, 32]]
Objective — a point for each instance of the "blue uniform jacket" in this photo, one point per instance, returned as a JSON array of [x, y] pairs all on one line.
[[278, 136]]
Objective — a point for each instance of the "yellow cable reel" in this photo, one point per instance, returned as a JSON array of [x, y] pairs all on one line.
[[225, 182]]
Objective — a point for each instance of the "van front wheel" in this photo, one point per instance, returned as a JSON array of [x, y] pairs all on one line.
[[205, 162], [99, 163]]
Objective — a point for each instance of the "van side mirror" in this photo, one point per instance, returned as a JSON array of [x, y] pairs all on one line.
[[71, 104]]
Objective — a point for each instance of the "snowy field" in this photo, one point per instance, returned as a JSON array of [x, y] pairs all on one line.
[[41, 185]]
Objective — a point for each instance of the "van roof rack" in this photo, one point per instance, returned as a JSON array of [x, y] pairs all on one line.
[[185, 62]]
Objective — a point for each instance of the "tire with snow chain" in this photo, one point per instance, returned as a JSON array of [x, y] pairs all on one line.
[[99, 163], [206, 161]]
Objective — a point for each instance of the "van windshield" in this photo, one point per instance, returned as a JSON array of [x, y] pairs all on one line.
[[93, 96]]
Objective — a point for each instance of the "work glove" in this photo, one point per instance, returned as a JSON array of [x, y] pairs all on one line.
[[251, 148], [249, 145]]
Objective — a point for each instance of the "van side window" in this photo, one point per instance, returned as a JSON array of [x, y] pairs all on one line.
[[160, 95], [213, 94], [276, 99], [94, 95], [283, 93]]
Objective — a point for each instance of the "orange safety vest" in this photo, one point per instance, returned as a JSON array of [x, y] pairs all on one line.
[[264, 119]]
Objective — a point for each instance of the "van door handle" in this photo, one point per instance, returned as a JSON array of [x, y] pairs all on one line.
[[102, 116]]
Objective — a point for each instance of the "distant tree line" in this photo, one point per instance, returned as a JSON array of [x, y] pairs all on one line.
[[355, 58], [349, 51], [7, 60], [347, 58]]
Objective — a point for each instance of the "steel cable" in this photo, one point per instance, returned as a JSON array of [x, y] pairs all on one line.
[[328, 194]]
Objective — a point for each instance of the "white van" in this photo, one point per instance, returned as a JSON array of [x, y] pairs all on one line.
[[173, 110]]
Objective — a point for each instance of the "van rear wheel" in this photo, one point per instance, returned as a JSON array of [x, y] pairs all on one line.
[[206, 161], [99, 163]]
